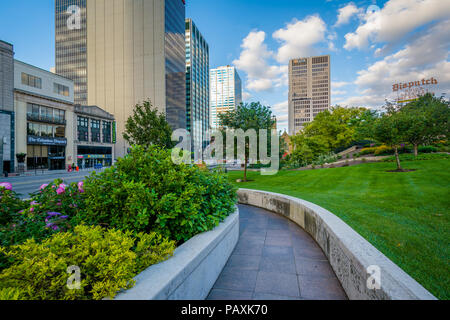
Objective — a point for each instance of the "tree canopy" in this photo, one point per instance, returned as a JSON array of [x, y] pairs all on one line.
[[148, 127]]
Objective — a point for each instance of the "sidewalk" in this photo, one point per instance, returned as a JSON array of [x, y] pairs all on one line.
[[52, 172]]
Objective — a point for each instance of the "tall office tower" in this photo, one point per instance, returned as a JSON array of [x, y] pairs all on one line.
[[197, 85], [136, 51], [226, 92], [7, 133], [309, 90], [71, 45]]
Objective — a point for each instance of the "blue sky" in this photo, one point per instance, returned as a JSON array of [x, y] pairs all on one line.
[[406, 40]]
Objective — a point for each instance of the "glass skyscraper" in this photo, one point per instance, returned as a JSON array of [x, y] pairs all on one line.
[[226, 92], [197, 85], [71, 45]]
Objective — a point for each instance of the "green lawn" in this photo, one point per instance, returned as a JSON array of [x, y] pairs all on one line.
[[404, 215]]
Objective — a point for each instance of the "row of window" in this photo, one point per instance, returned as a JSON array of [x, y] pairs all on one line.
[[38, 112], [36, 82], [83, 130], [45, 130]]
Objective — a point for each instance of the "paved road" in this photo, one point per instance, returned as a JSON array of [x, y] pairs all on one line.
[[275, 260], [27, 184]]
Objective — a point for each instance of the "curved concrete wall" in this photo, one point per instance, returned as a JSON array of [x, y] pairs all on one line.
[[349, 254], [192, 271]]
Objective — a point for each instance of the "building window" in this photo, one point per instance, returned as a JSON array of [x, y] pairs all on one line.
[[95, 130], [106, 128], [83, 129], [60, 89], [31, 81]]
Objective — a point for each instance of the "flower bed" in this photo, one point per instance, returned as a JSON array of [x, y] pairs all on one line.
[[111, 227]]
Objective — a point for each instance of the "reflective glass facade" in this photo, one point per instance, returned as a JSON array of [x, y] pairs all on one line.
[[197, 85], [71, 45], [226, 92], [175, 61]]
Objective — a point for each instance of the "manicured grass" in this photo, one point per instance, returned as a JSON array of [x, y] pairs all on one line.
[[404, 215]]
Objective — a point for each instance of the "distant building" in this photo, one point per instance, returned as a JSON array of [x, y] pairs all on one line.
[[136, 51], [225, 93], [309, 90], [71, 45], [7, 136], [95, 136], [197, 85], [43, 109], [38, 118]]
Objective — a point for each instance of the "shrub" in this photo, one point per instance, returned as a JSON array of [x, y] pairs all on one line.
[[423, 156], [146, 191], [383, 150], [9, 203], [50, 210], [427, 149], [107, 259]]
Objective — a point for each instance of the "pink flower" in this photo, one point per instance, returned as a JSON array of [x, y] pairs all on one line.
[[60, 190], [59, 204], [43, 187], [6, 185], [80, 186], [31, 209]]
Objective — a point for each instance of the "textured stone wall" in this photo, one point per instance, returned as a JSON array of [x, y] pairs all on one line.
[[349, 254]]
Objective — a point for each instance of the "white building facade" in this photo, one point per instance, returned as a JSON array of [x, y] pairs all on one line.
[[226, 92]]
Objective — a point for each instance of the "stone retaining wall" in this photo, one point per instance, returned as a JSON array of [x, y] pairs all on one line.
[[192, 271], [349, 254]]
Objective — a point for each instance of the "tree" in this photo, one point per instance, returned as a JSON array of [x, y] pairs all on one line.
[[147, 127], [390, 129], [428, 118], [337, 127], [248, 116]]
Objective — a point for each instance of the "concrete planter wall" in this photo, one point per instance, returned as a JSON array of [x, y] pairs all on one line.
[[192, 271], [348, 253]]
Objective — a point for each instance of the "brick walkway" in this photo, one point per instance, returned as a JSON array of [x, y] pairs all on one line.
[[275, 259]]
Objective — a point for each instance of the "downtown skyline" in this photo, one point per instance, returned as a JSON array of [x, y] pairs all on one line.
[[368, 58]]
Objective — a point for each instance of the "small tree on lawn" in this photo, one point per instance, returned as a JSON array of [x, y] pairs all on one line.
[[248, 116], [148, 127], [390, 129], [428, 118]]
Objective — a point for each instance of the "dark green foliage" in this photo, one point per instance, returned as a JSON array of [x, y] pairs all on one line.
[[148, 127], [146, 191]]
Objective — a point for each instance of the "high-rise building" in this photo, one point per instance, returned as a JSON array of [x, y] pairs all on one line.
[[197, 85], [135, 50], [71, 45], [226, 92], [7, 134], [309, 90]]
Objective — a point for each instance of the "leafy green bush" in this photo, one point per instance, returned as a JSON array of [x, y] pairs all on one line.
[[107, 259], [146, 191], [423, 156], [50, 210], [9, 203], [427, 149]]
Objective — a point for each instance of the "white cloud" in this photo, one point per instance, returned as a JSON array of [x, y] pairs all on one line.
[[346, 13], [339, 84], [426, 57], [338, 92], [253, 60], [299, 37], [396, 19]]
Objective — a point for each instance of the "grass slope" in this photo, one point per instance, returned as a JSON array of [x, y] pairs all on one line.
[[404, 215]]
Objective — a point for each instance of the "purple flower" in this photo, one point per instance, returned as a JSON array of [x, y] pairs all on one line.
[[64, 217], [55, 227], [49, 225], [53, 214], [21, 211], [80, 186], [6, 185], [34, 203], [43, 187], [59, 204]]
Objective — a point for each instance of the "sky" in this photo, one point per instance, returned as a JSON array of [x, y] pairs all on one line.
[[373, 43]]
